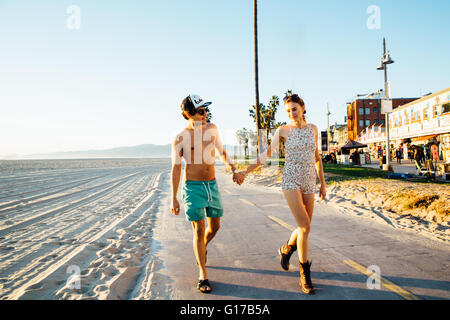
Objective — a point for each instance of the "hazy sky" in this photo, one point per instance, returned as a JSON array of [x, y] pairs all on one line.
[[119, 79]]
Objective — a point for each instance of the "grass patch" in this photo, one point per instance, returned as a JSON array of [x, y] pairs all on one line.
[[347, 172]]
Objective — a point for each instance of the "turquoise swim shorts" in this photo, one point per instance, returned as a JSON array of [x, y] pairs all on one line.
[[202, 199]]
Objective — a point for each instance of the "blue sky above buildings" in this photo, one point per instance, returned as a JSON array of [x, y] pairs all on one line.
[[120, 78]]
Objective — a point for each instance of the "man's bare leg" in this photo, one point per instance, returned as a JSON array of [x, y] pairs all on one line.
[[213, 227], [200, 247]]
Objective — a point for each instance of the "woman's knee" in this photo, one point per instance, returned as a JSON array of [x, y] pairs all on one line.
[[304, 229]]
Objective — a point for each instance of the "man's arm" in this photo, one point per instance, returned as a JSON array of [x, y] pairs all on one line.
[[176, 173], [222, 152], [237, 177]]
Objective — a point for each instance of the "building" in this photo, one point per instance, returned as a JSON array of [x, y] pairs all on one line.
[[365, 111], [419, 122], [324, 142], [338, 136]]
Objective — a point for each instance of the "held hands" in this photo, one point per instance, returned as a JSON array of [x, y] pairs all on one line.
[[239, 177]]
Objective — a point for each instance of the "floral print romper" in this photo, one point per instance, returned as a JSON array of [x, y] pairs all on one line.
[[299, 170]]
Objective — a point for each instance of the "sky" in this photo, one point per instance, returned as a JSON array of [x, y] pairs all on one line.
[[115, 74]]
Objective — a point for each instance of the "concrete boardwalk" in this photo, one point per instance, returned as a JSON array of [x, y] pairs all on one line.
[[243, 262], [405, 167]]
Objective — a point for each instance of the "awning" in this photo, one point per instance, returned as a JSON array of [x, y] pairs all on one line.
[[351, 144], [424, 138]]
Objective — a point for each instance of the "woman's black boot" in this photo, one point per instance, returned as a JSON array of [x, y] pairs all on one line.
[[305, 277], [285, 253]]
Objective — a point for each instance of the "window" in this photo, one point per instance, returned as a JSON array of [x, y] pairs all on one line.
[[375, 110], [446, 107], [361, 123], [367, 123], [425, 114], [367, 110], [435, 111], [361, 111]]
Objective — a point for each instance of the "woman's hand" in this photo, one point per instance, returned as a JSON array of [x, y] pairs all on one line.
[[323, 191]]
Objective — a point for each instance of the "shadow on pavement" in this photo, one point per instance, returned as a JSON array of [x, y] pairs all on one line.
[[323, 292], [332, 291]]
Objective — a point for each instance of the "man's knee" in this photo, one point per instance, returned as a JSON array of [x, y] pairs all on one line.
[[214, 226], [199, 228]]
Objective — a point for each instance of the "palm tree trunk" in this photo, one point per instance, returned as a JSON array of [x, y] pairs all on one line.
[[258, 121]]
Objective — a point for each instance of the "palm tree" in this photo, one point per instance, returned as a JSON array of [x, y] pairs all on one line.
[[255, 34], [243, 137], [208, 115], [267, 116]]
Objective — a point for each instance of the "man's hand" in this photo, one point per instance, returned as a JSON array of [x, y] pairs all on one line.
[[175, 207], [239, 177]]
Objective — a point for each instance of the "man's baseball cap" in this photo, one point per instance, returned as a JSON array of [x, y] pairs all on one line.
[[192, 102]]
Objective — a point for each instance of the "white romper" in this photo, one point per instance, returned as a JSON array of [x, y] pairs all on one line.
[[299, 170]]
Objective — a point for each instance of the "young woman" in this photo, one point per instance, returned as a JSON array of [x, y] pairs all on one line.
[[298, 182]]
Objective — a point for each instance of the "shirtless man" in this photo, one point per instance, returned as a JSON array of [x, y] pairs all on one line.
[[196, 144]]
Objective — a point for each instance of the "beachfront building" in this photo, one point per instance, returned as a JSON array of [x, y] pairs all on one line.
[[365, 112], [423, 121], [338, 136], [323, 142]]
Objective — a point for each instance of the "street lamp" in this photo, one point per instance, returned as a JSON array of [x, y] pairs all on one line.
[[385, 60]]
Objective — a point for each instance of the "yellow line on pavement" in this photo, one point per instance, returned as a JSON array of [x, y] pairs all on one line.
[[388, 284], [226, 191], [282, 223], [247, 202]]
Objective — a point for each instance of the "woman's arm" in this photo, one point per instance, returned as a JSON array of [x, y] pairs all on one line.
[[319, 167], [264, 155]]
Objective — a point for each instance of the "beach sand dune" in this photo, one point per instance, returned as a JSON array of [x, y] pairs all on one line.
[[78, 233]]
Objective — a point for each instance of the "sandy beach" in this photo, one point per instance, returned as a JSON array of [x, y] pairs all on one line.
[[69, 227], [415, 207]]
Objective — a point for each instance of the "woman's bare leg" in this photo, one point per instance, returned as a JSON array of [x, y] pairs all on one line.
[[308, 201], [294, 199]]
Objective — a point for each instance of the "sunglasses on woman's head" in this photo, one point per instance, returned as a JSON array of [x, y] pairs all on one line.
[[200, 111]]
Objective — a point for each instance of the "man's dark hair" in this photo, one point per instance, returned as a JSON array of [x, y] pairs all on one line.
[[187, 106]]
